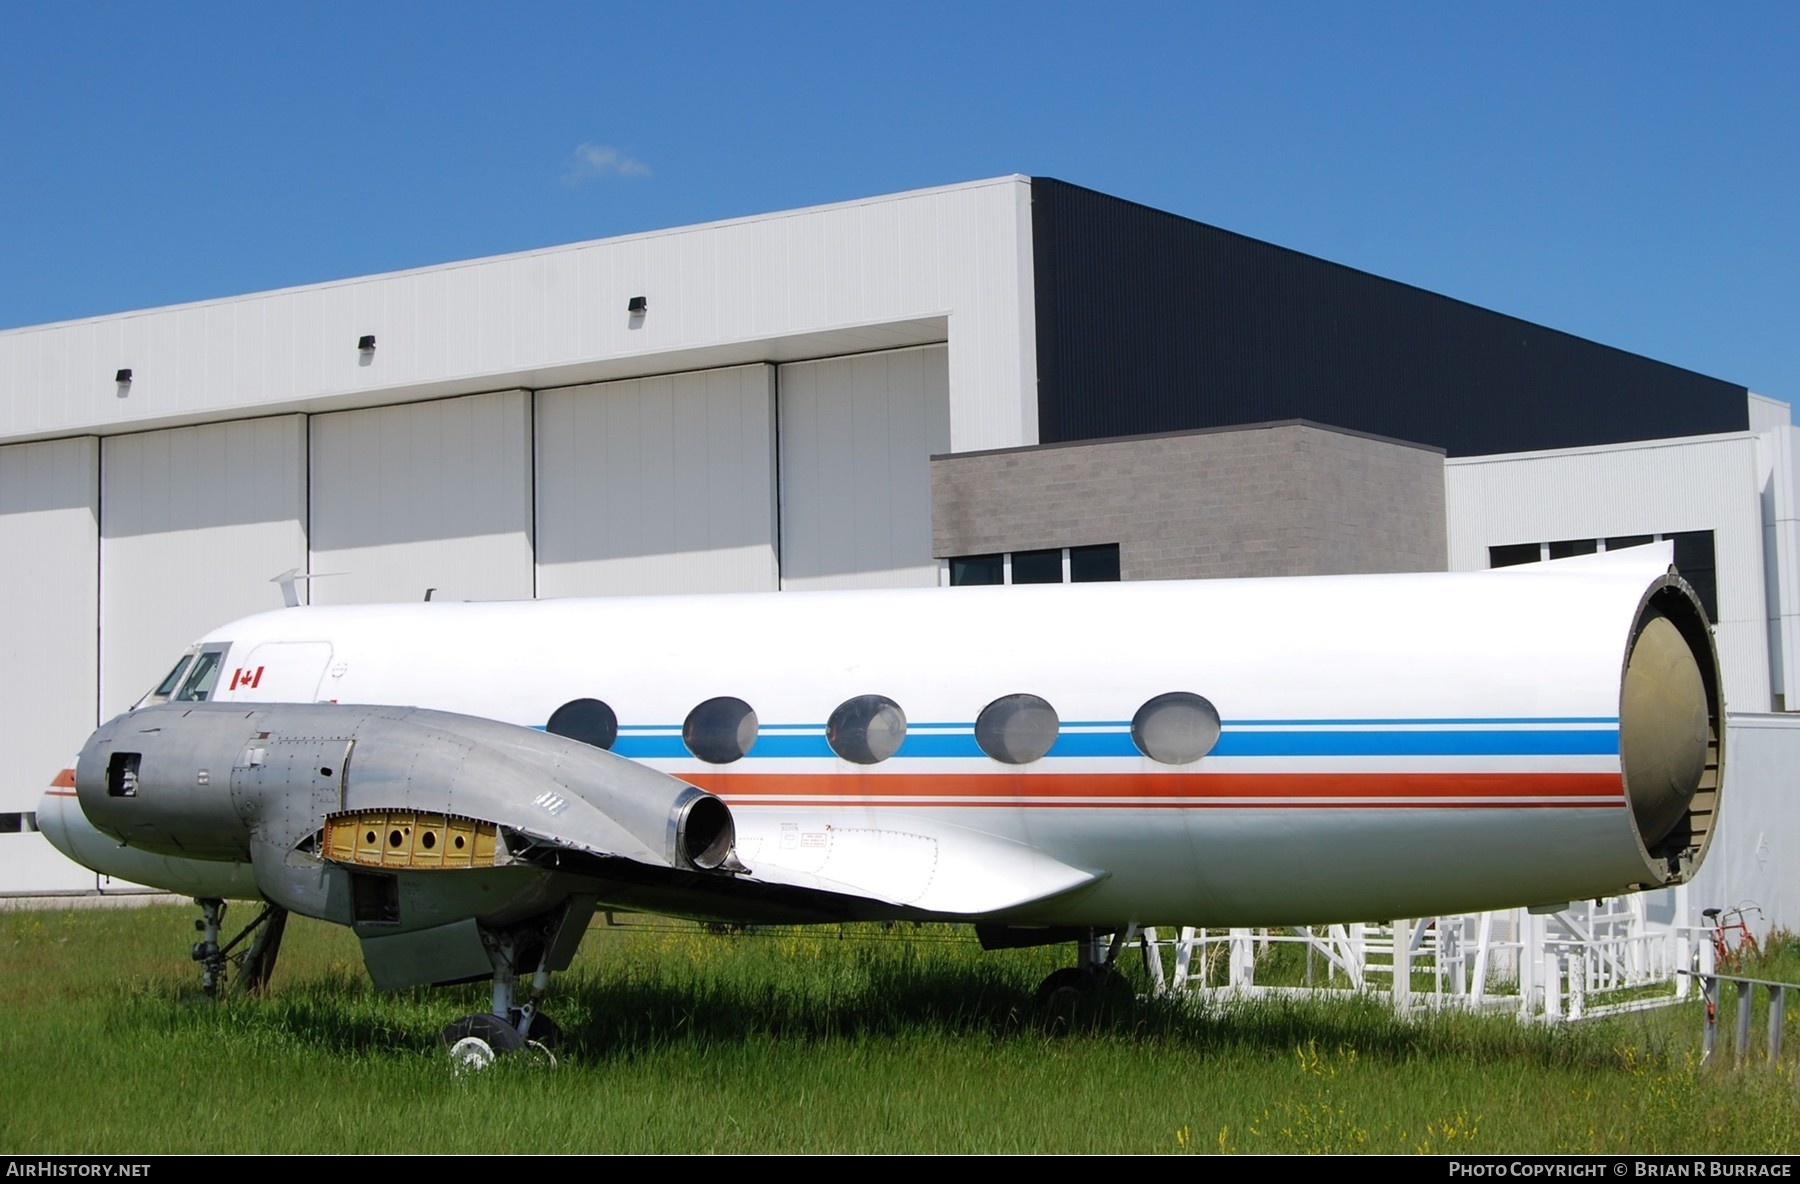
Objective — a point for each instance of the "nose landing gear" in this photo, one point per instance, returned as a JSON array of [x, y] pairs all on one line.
[[255, 965]]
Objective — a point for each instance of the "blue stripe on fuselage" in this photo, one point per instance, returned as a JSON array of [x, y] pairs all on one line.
[[803, 742]]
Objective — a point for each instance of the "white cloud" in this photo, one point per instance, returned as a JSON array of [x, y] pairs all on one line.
[[597, 160]]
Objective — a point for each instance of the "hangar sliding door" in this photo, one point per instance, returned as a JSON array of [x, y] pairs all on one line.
[[194, 523], [423, 495], [658, 485], [857, 435], [49, 556]]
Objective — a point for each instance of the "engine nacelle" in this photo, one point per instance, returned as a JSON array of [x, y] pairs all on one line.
[[219, 781]]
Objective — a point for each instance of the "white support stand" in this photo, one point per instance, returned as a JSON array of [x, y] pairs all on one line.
[[1592, 958]]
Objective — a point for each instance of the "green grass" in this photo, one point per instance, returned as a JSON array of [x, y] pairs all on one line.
[[865, 1040]]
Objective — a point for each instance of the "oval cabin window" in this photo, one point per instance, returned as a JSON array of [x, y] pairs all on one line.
[[587, 720], [1177, 728], [866, 730], [720, 730], [1016, 729]]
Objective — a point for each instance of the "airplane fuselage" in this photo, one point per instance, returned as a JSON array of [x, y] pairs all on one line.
[[1255, 752]]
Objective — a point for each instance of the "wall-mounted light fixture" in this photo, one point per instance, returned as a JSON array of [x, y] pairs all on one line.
[[123, 375], [638, 306], [366, 343]]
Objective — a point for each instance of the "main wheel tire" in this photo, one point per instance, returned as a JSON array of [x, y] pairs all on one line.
[[496, 1033], [544, 1031], [1074, 991], [1063, 990]]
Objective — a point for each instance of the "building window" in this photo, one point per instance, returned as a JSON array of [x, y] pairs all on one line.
[[1569, 548], [1514, 554], [1094, 565], [970, 570], [1055, 565], [1037, 567], [1693, 557]]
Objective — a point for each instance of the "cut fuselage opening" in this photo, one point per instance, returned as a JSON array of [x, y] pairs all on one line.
[[1671, 727]]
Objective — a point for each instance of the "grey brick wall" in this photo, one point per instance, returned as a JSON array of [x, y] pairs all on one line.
[[1284, 499]]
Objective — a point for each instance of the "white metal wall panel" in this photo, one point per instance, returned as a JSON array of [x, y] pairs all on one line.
[[658, 485], [1751, 860], [1767, 414], [424, 495], [1781, 556], [857, 435], [193, 524], [1661, 486], [805, 283], [49, 608]]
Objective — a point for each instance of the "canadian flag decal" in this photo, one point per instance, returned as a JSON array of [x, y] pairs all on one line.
[[246, 678]]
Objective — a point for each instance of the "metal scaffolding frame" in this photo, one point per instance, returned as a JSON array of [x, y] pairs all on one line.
[[1587, 958]]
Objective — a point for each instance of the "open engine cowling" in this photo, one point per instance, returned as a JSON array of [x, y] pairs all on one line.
[[393, 789]]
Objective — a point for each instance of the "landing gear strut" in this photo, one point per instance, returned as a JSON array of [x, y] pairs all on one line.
[[476, 1040], [1093, 985], [255, 965]]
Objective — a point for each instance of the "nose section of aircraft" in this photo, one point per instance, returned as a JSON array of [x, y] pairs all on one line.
[[51, 819], [65, 825]]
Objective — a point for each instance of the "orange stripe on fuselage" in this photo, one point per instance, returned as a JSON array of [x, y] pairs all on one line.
[[1174, 788]]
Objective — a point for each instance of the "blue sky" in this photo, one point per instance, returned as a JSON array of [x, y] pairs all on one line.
[[1626, 172]]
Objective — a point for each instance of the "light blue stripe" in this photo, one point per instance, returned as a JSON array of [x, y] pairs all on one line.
[[940, 744], [1351, 723], [808, 742], [1596, 742], [1093, 744], [789, 746], [643, 748]]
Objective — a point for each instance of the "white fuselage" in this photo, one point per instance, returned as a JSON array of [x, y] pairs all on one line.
[[1388, 745]]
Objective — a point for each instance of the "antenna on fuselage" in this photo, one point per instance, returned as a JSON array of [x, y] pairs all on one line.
[[290, 583]]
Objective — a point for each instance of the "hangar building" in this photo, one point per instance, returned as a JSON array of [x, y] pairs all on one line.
[[1009, 380]]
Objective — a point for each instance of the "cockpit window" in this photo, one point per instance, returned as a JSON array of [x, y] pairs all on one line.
[[198, 686], [167, 686]]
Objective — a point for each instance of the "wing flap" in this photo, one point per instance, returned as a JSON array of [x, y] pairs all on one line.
[[952, 872]]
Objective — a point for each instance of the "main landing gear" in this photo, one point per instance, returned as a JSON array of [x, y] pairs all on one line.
[[254, 965], [1093, 986], [476, 1041]]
